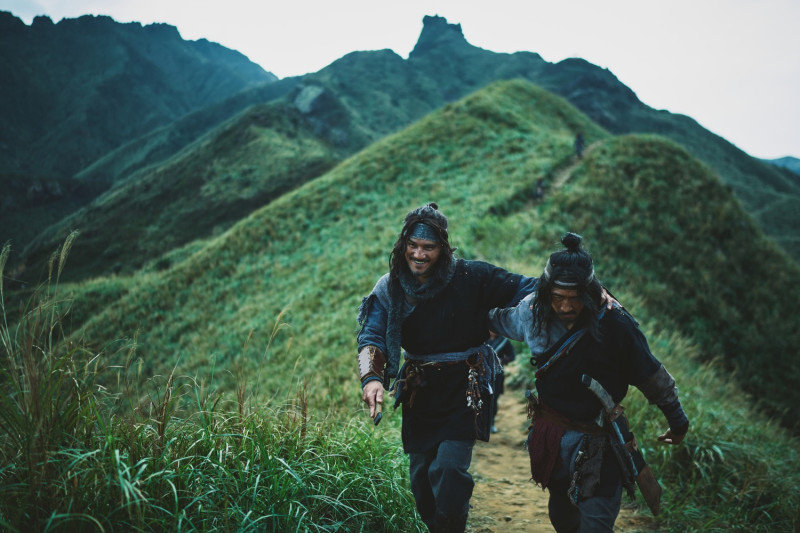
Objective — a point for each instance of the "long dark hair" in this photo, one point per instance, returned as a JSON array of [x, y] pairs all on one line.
[[430, 216], [571, 268]]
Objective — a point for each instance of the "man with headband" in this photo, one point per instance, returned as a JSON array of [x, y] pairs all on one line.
[[575, 442], [435, 307]]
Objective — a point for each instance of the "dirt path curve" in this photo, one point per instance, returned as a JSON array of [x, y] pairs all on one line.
[[505, 500]]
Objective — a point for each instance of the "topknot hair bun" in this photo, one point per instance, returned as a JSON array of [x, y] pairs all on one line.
[[430, 212], [572, 241]]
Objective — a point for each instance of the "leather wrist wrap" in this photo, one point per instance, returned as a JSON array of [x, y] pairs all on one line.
[[371, 363]]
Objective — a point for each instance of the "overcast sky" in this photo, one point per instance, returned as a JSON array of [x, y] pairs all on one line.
[[732, 65]]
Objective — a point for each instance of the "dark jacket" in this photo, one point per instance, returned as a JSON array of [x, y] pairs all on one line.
[[455, 320]]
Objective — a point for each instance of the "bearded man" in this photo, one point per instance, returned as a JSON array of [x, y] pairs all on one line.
[[435, 307]]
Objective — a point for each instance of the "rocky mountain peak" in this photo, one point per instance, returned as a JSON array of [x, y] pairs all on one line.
[[436, 31]]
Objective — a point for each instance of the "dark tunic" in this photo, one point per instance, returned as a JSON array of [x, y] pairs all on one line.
[[621, 358], [453, 321]]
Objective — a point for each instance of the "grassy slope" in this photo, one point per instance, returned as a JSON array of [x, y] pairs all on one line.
[[771, 195], [162, 143], [67, 104], [790, 163], [380, 91], [315, 251], [666, 234], [252, 159], [70, 101], [364, 96]]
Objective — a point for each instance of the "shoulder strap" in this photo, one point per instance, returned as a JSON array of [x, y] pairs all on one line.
[[563, 349]]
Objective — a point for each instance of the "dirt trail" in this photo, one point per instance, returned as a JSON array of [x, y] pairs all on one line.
[[562, 177], [505, 500]]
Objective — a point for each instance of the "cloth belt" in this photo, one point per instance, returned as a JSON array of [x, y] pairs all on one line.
[[483, 355], [546, 412]]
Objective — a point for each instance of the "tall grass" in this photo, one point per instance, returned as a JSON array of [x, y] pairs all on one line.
[[47, 381], [735, 471], [77, 456]]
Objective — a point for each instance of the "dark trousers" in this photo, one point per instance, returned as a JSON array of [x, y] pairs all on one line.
[[591, 515], [442, 485]]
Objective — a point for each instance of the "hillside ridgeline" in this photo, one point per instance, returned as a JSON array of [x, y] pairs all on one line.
[[364, 96]]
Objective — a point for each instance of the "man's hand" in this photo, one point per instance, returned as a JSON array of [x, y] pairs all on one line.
[[608, 300], [372, 394], [671, 438]]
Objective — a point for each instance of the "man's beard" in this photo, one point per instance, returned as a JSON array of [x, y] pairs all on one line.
[[417, 274]]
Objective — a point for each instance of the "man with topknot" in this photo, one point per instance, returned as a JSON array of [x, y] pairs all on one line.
[[582, 352]]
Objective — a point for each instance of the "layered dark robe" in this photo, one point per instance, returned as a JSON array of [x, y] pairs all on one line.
[[454, 320]]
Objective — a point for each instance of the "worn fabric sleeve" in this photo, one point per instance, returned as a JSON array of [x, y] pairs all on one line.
[[660, 390], [525, 288], [373, 327], [499, 287], [371, 338], [511, 322], [644, 371]]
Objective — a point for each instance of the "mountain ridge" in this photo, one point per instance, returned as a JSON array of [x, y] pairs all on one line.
[[59, 82], [365, 96], [791, 163]]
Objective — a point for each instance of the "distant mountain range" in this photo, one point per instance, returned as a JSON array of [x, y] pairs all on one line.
[[75, 90], [98, 112], [792, 163]]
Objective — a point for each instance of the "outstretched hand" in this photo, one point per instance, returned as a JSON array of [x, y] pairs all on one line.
[[671, 438], [372, 395]]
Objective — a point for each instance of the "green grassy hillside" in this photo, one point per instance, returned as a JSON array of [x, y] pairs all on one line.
[[329, 238], [100, 99], [790, 163], [770, 194], [244, 164], [274, 298], [160, 144]]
